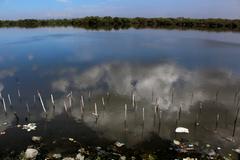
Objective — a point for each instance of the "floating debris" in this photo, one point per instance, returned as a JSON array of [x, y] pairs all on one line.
[[181, 130], [29, 127]]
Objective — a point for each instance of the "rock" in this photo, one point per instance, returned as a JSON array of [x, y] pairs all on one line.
[[123, 158], [212, 153], [79, 157], [57, 156], [36, 139], [181, 130], [119, 144], [68, 158], [31, 153], [176, 142], [29, 127], [2, 133]]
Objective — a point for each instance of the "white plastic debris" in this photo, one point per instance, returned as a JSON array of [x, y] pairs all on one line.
[[181, 130], [119, 144], [71, 139], [79, 157], [31, 153], [29, 127]]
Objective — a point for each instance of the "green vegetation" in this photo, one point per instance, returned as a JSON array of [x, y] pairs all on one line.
[[109, 23]]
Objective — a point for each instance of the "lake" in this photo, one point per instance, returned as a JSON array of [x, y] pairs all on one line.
[[165, 78]]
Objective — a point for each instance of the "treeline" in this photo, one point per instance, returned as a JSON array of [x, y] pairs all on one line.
[[109, 23]]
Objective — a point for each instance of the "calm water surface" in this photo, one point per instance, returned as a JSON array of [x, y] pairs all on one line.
[[169, 69]]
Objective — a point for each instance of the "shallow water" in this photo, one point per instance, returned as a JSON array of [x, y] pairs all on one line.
[[164, 68]]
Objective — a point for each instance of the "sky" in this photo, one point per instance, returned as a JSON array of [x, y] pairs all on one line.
[[44, 9]]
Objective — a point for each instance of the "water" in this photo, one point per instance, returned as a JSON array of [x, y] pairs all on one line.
[[168, 68]]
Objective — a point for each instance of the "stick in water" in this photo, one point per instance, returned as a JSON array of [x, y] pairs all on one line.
[[40, 98]]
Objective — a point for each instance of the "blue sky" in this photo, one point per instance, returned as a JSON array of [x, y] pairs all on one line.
[[20, 9]]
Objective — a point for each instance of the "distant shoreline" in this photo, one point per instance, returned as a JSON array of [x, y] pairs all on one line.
[[115, 23]]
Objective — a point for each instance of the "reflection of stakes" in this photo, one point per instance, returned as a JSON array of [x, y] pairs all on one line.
[[103, 103], [159, 121], [89, 96], [108, 96], [217, 95], [192, 98], [34, 99], [172, 96], [19, 95], [218, 115], [95, 114], [143, 120], [65, 106], [53, 103], [154, 117], [236, 96], [40, 98], [180, 112], [152, 95], [82, 107], [198, 115], [236, 118], [125, 117], [4, 105], [217, 121], [133, 100], [9, 100], [28, 110], [82, 102]]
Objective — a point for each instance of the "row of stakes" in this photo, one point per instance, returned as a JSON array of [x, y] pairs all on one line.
[[157, 110]]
